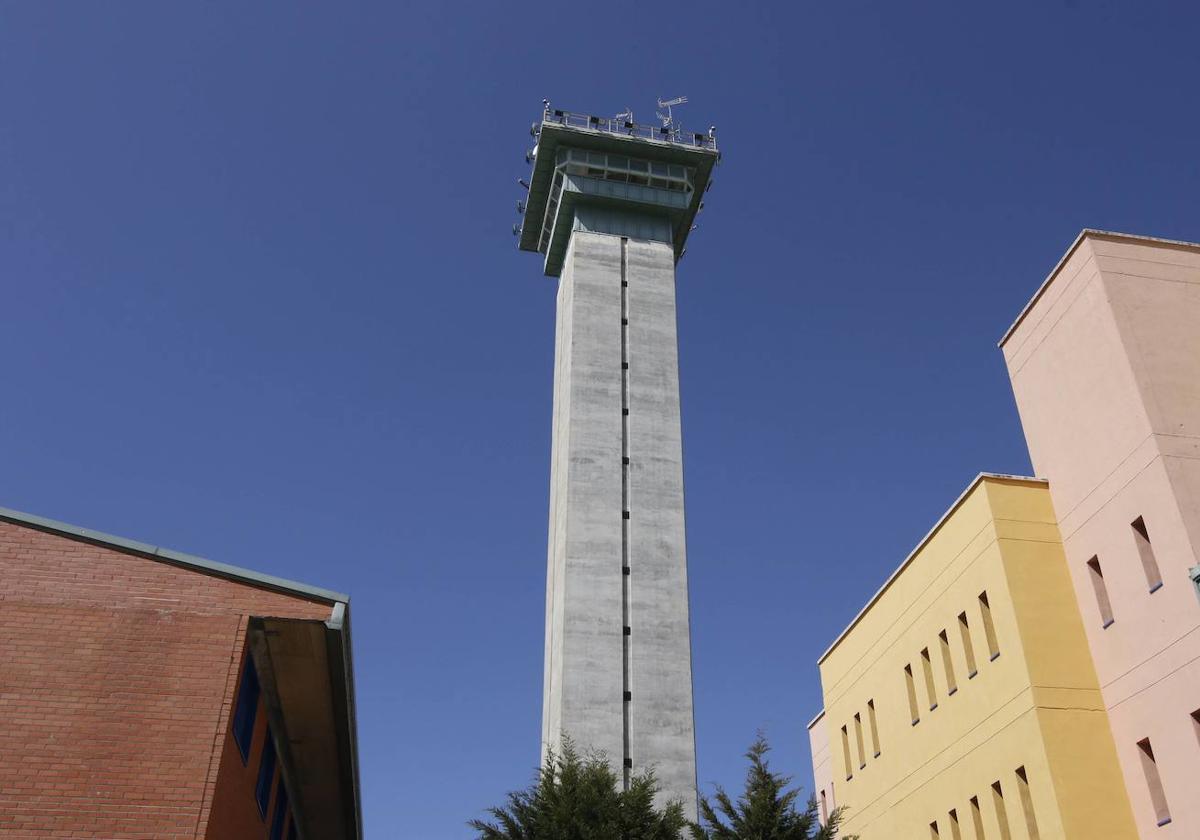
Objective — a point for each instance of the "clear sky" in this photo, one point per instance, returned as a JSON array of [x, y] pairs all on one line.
[[261, 302]]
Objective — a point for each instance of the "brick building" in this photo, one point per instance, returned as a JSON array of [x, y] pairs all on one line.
[[147, 693]]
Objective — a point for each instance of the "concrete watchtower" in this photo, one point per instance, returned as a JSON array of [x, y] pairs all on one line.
[[610, 206]]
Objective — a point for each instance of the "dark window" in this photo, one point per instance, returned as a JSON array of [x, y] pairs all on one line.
[[246, 709], [281, 810], [266, 775]]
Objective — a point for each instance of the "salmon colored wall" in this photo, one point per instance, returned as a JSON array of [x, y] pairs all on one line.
[[116, 686], [1105, 366], [823, 787]]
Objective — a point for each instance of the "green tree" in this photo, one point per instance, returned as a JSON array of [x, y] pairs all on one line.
[[766, 810], [578, 798]]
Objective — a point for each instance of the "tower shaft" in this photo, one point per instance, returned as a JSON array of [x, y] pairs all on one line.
[[618, 655]]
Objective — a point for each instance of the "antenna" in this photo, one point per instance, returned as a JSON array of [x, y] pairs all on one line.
[[668, 119], [625, 116]]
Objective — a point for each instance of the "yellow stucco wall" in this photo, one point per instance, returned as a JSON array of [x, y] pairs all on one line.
[[1035, 707]]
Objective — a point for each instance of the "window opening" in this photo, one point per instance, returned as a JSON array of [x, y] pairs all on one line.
[[1102, 602], [977, 818], [948, 664], [246, 709], [1146, 551], [875, 727], [846, 754], [858, 737], [1031, 825], [964, 630], [1158, 797], [266, 775], [1001, 813], [913, 712], [955, 831], [281, 809], [989, 629], [927, 667]]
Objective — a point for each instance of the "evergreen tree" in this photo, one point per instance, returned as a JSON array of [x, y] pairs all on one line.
[[766, 810], [578, 798]]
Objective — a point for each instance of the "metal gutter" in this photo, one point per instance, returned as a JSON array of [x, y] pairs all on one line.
[[339, 625], [175, 558]]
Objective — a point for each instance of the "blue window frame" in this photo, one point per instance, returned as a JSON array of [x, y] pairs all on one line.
[[246, 709], [281, 809], [266, 775]]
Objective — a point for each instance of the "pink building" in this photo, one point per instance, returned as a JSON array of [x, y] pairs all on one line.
[[1105, 366]]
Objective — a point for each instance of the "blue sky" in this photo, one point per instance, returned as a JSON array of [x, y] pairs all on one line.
[[262, 303]]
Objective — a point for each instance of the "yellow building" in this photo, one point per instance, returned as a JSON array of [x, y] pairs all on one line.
[[961, 703]]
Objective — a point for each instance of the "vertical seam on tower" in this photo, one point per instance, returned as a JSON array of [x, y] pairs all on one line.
[[625, 569]]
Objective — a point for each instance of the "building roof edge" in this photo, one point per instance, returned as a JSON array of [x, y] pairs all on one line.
[[816, 718], [176, 558], [1084, 234], [975, 482]]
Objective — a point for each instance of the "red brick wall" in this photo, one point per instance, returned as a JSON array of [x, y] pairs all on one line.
[[116, 678]]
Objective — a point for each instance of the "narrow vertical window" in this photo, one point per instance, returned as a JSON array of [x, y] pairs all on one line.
[[955, 831], [933, 831], [858, 737], [246, 709], [964, 630], [266, 775], [824, 808], [948, 664], [1031, 825], [913, 712], [875, 727], [1001, 813], [989, 629], [846, 754], [977, 818], [1146, 551], [1157, 797], [1102, 602], [927, 667], [281, 810], [967, 647]]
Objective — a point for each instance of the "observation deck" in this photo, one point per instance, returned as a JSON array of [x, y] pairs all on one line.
[[649, 180]]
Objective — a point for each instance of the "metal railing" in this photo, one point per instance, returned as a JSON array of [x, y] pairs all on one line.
[[672, 134]]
